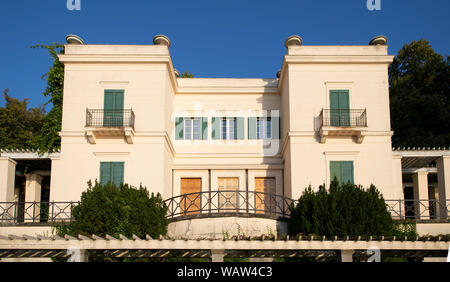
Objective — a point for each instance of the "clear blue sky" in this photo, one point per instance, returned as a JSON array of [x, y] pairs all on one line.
[[210, 38]]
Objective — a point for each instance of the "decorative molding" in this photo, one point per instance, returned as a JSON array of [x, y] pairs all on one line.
[[111, 153]]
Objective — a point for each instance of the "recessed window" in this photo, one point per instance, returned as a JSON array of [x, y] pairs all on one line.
[[342, 171], [111, 172], [228, 128], [192, 128], [264, 128]]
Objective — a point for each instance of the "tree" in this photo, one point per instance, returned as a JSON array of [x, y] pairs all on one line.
[[111, 210], [19, 125], [344, 210], [187, 74], [49, 138], [419, 96]]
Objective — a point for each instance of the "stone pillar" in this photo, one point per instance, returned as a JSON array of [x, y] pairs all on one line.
[[347, 255], [7, 179], [443, 168], [397, 192], [420, 186], [217, 255], [32, 196]]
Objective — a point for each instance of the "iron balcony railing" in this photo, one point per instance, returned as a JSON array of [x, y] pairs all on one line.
[[110, 118], [219, 203], [343, 118], [420, 210], [35, 212]]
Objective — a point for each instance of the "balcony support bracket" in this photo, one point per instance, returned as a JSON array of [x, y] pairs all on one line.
[[129, 134], [90, 136]]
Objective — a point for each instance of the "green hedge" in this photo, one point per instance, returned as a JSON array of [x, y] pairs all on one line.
[[343, 210], [108, 209]]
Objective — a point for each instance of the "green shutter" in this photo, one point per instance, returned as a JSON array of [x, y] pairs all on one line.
[[252, 128], [340, 107], [204, 128], [334, 99], [179, 128], [105, 173], [347, 172], [335, 171], [275, 127], [344, 106], [240, 128], [117, 169], [113, 108], [215, 127], [118, 107], [334, 108]]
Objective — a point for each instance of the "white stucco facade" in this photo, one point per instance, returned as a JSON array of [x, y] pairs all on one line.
[[299, 152]]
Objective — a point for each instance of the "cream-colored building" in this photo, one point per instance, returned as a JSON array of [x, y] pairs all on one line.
[[236, 146]]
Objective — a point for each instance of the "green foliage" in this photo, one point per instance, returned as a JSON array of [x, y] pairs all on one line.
[[108, 209], [405, 229], [419, 96], [19, 125], [344, 210], [187, 74], [49, 138]]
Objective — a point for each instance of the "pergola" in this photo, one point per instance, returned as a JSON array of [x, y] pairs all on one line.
[[319, 248]]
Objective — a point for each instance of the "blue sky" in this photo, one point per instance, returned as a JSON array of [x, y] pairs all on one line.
[[234, 38]]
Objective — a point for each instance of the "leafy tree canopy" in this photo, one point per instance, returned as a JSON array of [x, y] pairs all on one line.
[[49, 138], [187, 74], [19, 125], [419, 96]]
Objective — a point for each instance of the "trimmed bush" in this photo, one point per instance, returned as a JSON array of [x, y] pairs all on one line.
[[112, 210], [344, 210]]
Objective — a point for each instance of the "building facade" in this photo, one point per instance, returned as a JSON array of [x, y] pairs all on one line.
[[226, 145]]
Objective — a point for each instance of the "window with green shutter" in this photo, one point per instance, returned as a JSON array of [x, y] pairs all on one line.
[[342, 170], [191, 128], [113, 108], [111, 172], [339, 108]]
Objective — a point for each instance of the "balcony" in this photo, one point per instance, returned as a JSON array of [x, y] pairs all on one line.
[[211, 204], [109, 123], [341, 123], [228, 203]]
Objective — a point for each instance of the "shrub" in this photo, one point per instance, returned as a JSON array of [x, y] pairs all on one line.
[[108, 209], [344, 210]]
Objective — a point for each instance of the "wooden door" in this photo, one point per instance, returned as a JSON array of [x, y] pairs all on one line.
[[265, 189], [191, 204], [228, 201]]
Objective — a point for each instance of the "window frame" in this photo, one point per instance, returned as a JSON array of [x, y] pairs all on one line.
[[191, 132], [266, 123], [225, 130]]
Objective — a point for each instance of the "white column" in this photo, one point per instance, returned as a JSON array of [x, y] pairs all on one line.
[[347, 255], [397, 192], [32, 195], [443, 168], [420, 185], [217, 255], [7, 182], [7, 179]]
